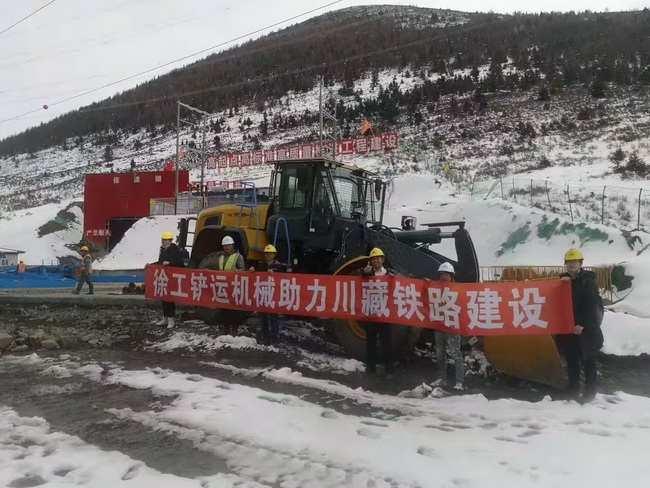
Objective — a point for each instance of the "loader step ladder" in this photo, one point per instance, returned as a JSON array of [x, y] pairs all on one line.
[[282, 220], [254, 210]]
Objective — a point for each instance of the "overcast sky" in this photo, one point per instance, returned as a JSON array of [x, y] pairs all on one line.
[[73, 46]]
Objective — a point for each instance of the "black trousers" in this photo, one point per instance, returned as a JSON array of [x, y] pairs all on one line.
[[169, 309], [270, 328], [374, 331], [576, 357]]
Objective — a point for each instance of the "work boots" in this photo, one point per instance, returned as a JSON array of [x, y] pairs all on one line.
[[162, 321], [170, 322]]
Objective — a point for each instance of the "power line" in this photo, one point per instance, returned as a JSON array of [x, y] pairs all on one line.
[[84, 44], [176, 60], [298, 70], [226, 57], [25, 18]]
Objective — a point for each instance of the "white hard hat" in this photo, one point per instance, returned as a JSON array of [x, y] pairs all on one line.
[[227, 241], [446, 268]]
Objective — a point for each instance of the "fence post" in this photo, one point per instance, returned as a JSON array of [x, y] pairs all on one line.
[[548, 195], [602, 207], [471, 193], [494, 185], [638, 212], [514, 190], [503, 198], [568, 197], [531, 192]]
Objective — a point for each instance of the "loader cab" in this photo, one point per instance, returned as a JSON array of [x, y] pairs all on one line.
[[321, 200]]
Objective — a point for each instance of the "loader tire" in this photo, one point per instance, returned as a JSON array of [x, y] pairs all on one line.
[[351, 334]]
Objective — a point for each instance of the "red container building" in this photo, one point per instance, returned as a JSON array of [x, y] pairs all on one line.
[[113, 202]]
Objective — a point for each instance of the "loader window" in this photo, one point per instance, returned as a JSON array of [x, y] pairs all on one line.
[[347, 193], [294, 186], [323, 212], [214, 220]]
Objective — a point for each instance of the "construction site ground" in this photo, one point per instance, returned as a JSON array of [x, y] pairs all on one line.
[[111, 329]]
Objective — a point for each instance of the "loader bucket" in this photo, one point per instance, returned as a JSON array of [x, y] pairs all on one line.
[[533, 358]]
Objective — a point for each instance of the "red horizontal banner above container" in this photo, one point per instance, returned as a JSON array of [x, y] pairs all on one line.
[[359, 145]]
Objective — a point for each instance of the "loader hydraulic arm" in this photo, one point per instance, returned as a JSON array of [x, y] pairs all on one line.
[[409, 254]]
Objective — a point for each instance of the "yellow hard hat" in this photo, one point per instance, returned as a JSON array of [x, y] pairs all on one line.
[[573, 254], [376, 252], [84, 248], [270, 248], [167, 235]]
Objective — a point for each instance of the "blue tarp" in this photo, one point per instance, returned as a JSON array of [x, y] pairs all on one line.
[[54, 277]]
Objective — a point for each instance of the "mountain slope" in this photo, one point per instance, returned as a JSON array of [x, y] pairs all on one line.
[[561, 49]]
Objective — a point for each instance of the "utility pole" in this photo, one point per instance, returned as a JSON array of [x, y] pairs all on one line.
[[204, 149], [331, 117], [203, 127], [178, 151], [320, 111]]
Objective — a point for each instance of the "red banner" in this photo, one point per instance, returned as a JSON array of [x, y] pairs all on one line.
[[478, 309], [359, 145]]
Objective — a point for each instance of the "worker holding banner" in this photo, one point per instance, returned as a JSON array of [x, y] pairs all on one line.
[[270, 322], [376, 330], [446, 341], [170, 255], [587, 339], [230, 259]]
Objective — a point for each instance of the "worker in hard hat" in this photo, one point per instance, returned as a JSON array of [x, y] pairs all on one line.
[[230, 260], [448, 342], [377, 330], [270, 323], [581, 348], [85, 271], [22, 267], [170, 255]]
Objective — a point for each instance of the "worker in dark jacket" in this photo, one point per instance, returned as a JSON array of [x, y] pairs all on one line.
[[376, 330], [587, 339], [85, 271], [270, 323], [170, 255]]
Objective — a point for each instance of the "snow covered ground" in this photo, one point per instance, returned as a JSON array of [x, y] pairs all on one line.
[[33, 455], [417, 439], [275, 439]]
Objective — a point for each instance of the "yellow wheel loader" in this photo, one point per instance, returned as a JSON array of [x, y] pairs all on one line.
[[324, 217]]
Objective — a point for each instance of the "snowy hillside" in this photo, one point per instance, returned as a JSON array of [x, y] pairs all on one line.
[[43, 238], [478, 148]]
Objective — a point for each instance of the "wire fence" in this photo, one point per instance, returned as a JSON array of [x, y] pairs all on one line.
[[527, 273], [622, 207], [193, 204]]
